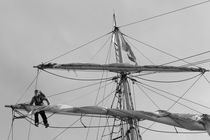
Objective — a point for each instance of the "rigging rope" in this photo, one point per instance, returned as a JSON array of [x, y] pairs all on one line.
[[27, 118], [187, 57], [99, 122], [78, 47], [93, 84], [91, 92], [153, 102], [105, 97], [99, 89], [184, 93], [159, 131], [134, 95], [29, 131], [109, 78], [86, 137], [140, 52], [164, 14], [92, 126], [37, 79], [164, 52], [206, 79], [98, 93], [167, 81], [65, 130], [153, 123], [198, 62], [28, 87], [61, 127], [176, 96], [11, 127], [194, 63], [102, 135], [170, 98], [101, 48], [107, 59]]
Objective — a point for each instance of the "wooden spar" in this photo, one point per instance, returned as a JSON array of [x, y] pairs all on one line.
[[119, 67], [200, 122]]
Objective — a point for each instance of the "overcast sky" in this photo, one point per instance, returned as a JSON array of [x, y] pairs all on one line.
[[32, 32]]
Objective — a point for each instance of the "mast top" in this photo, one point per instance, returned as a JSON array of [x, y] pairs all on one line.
[[114, 19]]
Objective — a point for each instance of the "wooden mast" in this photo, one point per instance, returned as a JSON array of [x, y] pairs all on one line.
[[130, 131]]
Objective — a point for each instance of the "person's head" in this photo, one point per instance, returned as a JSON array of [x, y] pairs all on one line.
[[36, 92]]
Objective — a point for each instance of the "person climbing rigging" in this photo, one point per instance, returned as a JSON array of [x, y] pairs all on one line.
[[38, 99]]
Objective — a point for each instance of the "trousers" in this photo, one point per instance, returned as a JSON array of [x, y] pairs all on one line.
[[44, 118]]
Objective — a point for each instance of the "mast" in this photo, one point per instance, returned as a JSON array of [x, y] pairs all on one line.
[[118, 51], [125, 109], [130, 130]]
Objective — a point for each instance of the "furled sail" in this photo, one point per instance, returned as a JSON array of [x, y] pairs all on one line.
[[118, 68], [186, 121]]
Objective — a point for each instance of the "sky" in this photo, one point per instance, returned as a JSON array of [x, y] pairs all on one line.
[[33, 32]]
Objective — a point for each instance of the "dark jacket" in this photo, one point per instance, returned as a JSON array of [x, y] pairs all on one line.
[[38, 100]]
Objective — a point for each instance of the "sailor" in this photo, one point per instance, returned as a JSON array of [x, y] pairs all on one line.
[[38, 99]]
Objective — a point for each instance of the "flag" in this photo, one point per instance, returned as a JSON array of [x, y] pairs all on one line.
[[126, 47], [121, 42]]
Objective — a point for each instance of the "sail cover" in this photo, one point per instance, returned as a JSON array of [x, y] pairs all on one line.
[[118, 68], [186, 121]]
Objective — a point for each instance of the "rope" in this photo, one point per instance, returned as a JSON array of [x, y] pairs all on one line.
[[168, 81], [166, 53], [107, 59], [86, 137], [78, 47], [171, 99], [206, 79], [87, 94], [176, 96], [74, 89], [183, 94], [11, 127], [29, 131], [107, 124], [164, 14], [134, 95], [198, 62], [76, 78], [98, 89], [28, 87], [30, 120], [10, 130], [64, 127], [140, 52], [194, 63], [161, 131], [105, 98], [187, 57], [101, 48], [78, 127], [153, 123], [37, 79], [64, 130], [99, 122], [153, 102]]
